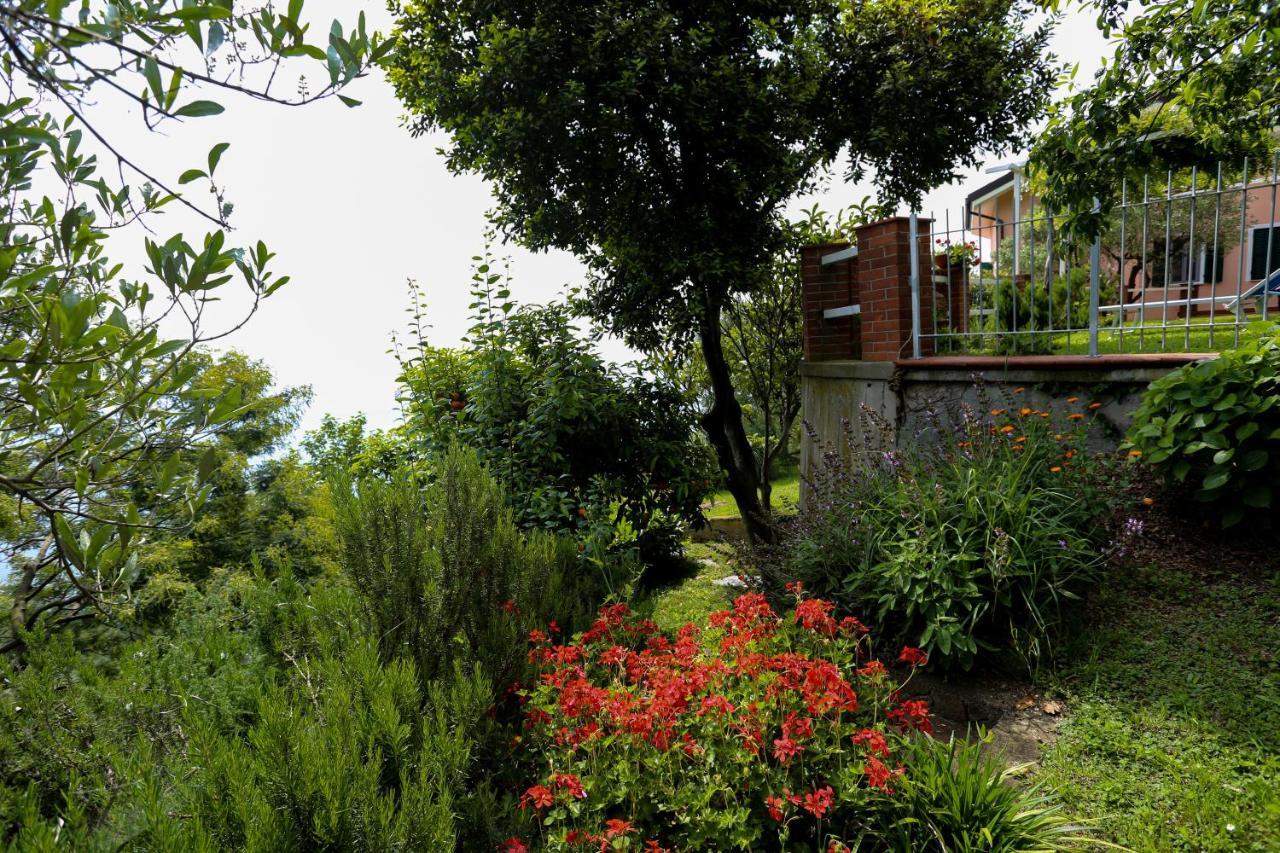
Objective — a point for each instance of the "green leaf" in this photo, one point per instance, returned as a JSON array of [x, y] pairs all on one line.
[[215, 155], [201, 13], [1254, 460], [351, 102], [208, 463], [191, 175], [1216, 478], [199, 109], [1257, 496]]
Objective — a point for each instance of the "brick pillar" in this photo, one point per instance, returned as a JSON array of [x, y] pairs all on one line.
[[831, 286], [951, 297], [884, 288]]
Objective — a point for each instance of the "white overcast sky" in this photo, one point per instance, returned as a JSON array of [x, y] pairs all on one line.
[[354, 207]]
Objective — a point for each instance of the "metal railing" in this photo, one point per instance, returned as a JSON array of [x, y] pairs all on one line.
[[1184, 263]]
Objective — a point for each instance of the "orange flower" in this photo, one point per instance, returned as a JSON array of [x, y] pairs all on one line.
[[1006, 429], [1020, 439], [1148, 501], [997, 412], [1044, 414], [1069, 454], [1134, 454], [1073, 399], [1075, 416], [1055, 469], [1024, 412], [1095, 405], [1018, 390]]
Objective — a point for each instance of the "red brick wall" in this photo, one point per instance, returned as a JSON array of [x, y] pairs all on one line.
[[831, 286], [879, 280]]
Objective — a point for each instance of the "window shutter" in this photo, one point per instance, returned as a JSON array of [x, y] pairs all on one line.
[[1258, 256]]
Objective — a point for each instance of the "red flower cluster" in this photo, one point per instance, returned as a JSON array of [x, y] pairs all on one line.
[[626, 693]]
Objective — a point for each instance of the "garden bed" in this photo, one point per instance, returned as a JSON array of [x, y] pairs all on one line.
[[1159, 724]]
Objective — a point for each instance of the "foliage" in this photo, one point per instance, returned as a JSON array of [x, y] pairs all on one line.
[[265, 719], [580, 445], [974, 539], [1173, 740], [660, 143], [957, 796], [1215, 425], [1026, 307], [443, 571], [97, 400], [752, 732], [1188, 83]]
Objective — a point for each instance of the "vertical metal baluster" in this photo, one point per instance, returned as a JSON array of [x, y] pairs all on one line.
[[1124, 214], [1031, 273], [1168, 250], [1095, 264], [1211, 272], [913, 237], [1191, 248], [1271, 239], [1244, 249], [1146, 270], [946, 223]]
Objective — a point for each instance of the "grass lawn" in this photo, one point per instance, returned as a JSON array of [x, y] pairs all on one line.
[[786, 496], [695, 595], [1173, 737], [1199, 336]]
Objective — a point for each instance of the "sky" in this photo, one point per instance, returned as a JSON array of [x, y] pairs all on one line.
[[354, 206]]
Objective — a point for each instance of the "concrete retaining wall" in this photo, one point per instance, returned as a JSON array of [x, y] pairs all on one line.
[[905, 394]]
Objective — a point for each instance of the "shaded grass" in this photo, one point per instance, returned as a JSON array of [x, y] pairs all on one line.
[[694, 595], [785, 498], [1174, 738]]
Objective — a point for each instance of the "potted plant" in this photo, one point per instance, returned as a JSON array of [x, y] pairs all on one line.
[[949, 255]]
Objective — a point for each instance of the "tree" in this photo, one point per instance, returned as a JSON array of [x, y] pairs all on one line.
[[1189, 83], [98, 392], [660, 142], [764, 333]]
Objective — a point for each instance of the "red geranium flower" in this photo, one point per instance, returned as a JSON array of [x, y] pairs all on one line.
[[538, 796], [774, 805], [785, 749], [873, 740], [614, 828], [817, 802], [913, 656], [514, 845]]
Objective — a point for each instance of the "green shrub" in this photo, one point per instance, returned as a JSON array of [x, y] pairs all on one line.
[[264, 718], [1028, 307], [443, 572], [610, 455], [971, 541], [1215, 425]]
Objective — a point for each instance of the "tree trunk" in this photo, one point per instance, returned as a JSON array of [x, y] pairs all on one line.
[[724, 428]]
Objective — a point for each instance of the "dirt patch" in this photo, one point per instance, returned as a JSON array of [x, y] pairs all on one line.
[[1020, 720]]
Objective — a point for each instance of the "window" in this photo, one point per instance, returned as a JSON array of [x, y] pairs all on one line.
[[1207, 268], [1261, 236]]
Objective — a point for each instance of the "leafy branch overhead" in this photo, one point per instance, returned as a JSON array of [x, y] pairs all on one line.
[[101, 396], [1188, 83]]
